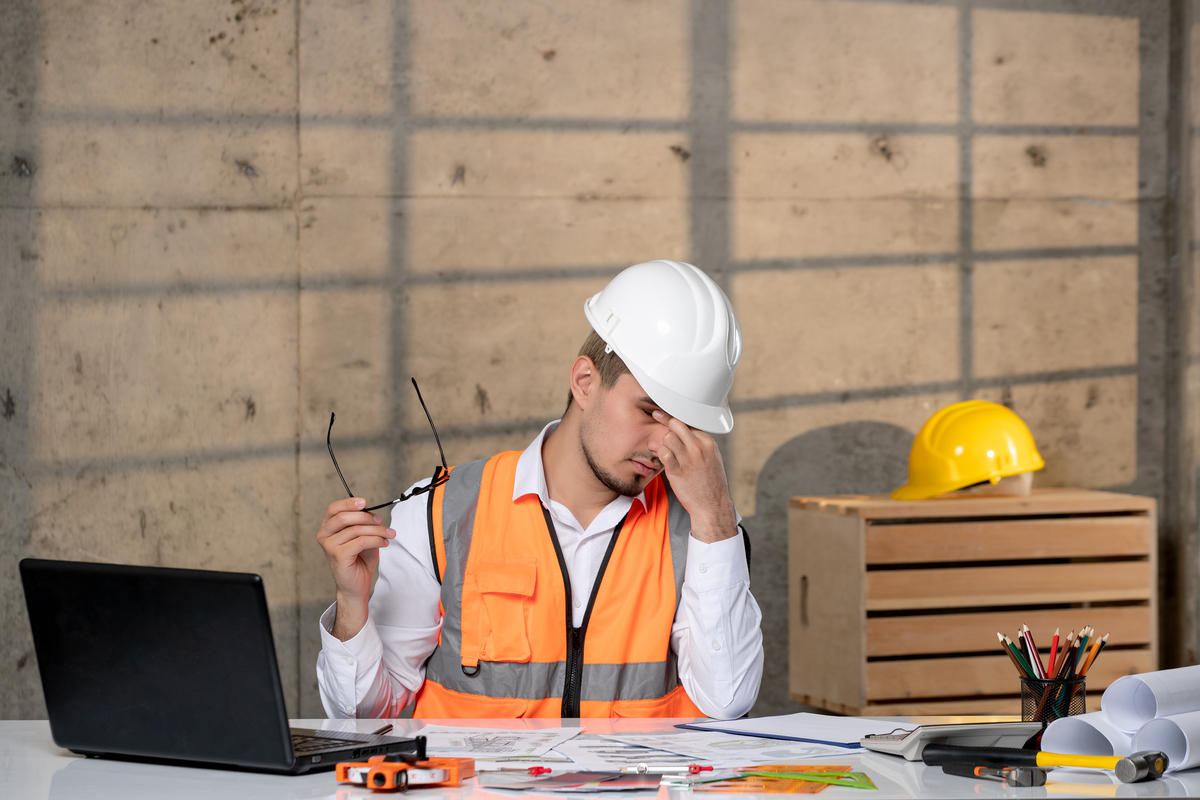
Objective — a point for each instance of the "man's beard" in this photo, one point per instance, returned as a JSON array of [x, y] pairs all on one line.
[[629, 488]]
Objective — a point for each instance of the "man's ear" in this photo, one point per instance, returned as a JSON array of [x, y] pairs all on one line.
[[585, 382]]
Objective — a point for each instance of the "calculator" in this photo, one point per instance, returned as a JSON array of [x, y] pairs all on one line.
[[909, 743]]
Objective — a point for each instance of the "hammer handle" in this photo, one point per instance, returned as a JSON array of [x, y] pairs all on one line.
[[936, 754]]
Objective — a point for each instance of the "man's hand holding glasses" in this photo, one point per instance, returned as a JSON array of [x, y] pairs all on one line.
[[351, 535]]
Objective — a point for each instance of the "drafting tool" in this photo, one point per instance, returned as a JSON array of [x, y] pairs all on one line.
[[784, 779], [658, 769]]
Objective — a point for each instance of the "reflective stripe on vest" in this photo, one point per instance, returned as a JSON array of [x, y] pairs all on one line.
[[505, 643]]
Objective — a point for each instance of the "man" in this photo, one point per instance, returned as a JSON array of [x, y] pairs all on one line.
[[570, 579]]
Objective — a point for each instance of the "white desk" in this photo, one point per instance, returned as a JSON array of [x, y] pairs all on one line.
[[33, 768]]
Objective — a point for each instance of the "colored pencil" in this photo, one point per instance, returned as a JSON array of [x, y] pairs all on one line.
[[1091, 658], [1028, 670], [1053, 652], [1009, 653], [1064, 667], [1038, 666], [1084, 640], [1062, 652]]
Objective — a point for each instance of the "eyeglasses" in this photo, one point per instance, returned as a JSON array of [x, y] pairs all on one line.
[[441, 473]]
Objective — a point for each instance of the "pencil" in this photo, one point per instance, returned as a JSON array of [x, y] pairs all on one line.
[[1021, 659], [1038, 666], [1084, 641], [1053, 652], [1064, 667], [1092, 657], [1009, 653], [1062, 652]]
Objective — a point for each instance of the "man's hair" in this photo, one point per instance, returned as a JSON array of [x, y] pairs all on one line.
[[609, 365]]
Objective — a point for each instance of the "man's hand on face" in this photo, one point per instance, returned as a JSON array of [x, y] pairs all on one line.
[[693, 465], [351, 539]]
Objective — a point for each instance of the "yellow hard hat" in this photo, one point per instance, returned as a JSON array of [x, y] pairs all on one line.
[[965, 444]]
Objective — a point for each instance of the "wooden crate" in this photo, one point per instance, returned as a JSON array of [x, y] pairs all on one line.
[[894, 606]]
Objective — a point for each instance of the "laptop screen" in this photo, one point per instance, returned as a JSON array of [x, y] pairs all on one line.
[[155, 662]]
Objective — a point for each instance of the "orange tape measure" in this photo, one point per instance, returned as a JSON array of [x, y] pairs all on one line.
[[381, 774]]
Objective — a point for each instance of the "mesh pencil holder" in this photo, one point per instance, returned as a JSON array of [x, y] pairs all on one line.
[[1046, 701]]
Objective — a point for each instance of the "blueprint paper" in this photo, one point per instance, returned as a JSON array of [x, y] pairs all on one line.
[[445, 740], [725, 749], [1087, 734], [593, 752], [1134, 699], [1173, 735]]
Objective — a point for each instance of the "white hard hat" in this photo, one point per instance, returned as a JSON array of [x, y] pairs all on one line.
[[677, 333]]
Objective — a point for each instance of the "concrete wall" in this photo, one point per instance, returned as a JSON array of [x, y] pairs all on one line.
[[219, 222]]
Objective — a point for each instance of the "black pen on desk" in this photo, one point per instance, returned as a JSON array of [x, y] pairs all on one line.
[[382, 730]]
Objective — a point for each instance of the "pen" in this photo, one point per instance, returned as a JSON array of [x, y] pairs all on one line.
[[647, 769], [382, 730]]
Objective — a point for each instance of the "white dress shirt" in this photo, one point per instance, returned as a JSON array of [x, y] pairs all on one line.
[[716, 635]]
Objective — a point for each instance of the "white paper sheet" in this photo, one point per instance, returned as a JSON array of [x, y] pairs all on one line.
[[594, 752], [1134, 699], [1088, 734], [818, 728], [1173, 735], [551, 758], [725, 749], [445, 740]]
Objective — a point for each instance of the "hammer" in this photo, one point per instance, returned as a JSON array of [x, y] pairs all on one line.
[[1145, 765]]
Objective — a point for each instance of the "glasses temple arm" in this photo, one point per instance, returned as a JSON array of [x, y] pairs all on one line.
[[436, 438], [329, 444]]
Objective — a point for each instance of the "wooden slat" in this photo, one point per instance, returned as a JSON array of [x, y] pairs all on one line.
[[1041, 501], [982, 675], [999, 709], [943, 712], [957, 633], [1009, 539], [1002, 586]]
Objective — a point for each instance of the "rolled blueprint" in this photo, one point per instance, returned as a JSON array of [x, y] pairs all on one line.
[[1087, 734], [1173, 735], [1134, 699]]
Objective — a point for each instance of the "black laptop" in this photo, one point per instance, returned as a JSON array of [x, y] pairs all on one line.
[[172, 665]]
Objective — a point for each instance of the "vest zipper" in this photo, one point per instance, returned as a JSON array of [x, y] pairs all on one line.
[[573, 686]]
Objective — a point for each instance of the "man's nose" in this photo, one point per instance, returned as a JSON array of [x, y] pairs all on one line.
[[656, 437]]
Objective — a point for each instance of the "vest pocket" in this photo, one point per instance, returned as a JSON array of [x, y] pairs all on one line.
[[506, 586], [675, 704]]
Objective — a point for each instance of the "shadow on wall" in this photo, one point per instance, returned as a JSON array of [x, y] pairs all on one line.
[[852, 458]]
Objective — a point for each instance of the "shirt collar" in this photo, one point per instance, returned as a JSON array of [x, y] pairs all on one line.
[[531, 472]]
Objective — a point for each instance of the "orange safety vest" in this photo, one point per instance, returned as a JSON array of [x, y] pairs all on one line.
[[507, 646]]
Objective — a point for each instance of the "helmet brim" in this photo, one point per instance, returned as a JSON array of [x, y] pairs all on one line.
[[710, 419], [914, 492]]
